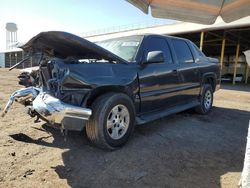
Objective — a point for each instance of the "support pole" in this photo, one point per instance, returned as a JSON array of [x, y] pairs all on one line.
[[236, 61], [201, 40], [16, 57], [222, 51], [7, 39], [10, 58]]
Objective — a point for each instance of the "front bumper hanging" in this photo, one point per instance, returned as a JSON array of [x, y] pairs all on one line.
[[50, 108], [55, 111]]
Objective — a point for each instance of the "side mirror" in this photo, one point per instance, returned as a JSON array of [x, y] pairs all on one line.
[[154, 57]]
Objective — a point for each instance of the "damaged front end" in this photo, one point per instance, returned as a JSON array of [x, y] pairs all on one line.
[[49, 108], [50, 101], [60, 92]]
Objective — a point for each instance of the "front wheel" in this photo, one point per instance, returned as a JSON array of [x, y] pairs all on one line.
[[206, 100], [112, 121]]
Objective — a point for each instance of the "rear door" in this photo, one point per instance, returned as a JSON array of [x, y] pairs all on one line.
[[158, 81], [189, 73]]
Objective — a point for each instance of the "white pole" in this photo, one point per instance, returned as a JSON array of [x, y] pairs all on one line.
[[11, 40], [7, 39], [245, 176]]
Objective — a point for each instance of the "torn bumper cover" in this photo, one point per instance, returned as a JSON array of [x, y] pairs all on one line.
[[50, 108]]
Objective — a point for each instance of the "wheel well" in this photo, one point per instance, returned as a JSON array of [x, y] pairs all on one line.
[[103, 90], [211, 81]]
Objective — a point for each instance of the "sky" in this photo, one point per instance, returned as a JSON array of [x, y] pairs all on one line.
[[74, 16]]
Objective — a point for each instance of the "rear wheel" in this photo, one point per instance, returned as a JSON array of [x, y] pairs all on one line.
[[206, 100], [112, 121]]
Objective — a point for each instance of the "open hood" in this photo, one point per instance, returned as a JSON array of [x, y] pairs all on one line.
[[63, 45]]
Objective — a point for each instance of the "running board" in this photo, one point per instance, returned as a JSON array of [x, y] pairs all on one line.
[[145, 118]]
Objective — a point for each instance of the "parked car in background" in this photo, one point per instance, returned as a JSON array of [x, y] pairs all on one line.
[[110, 86]]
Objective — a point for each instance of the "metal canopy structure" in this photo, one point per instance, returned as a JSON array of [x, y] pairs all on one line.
[[212, 40], [197, 11], [226, 44]]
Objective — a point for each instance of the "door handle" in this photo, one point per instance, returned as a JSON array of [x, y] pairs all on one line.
[[175, 71]]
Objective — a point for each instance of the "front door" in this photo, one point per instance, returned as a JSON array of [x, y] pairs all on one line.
[[158, 81]]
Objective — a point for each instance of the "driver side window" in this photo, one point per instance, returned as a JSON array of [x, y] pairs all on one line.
[[159, 44]]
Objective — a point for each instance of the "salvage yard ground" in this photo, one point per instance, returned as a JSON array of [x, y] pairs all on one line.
[[182, 150]]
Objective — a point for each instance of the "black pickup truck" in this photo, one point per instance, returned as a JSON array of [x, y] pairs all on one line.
[[109, 86]]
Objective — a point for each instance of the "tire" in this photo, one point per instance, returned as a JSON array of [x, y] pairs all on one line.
[[112, 121], [206, 100]]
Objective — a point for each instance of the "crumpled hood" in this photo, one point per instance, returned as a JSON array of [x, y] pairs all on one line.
[[63, 45]]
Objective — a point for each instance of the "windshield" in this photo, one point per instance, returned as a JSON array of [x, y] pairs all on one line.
[[125, 47]]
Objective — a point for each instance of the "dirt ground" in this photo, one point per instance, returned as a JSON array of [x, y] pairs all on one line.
[[182, 150]]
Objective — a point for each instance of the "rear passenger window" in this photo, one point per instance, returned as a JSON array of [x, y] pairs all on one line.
[[182, 51], [200, 53], [159, 44]]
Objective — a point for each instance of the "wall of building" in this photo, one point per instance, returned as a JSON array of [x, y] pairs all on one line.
[[2, 60], [11, 58]]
